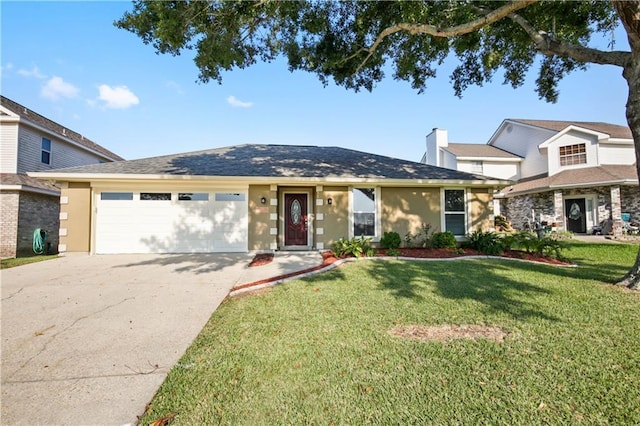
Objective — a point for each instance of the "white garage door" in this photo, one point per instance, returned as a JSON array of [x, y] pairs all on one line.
[[171, 222]]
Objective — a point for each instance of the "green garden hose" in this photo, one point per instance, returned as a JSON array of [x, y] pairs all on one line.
[[39, 240]]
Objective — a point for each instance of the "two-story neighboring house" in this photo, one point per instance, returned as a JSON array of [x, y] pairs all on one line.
[[568, 173], [30, 142]]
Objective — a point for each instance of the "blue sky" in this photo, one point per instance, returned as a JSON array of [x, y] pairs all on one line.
[[69, 63]]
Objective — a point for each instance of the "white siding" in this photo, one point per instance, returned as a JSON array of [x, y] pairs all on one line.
[[616, 154], [8, 147], [523, 141], [494, 169], [63, 154], [448, 160], [572, 138]]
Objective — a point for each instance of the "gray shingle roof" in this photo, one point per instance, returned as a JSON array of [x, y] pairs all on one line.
[[276, 161], [19, 179], [42, 121], [479, 150], [596, 176], [613, 130]]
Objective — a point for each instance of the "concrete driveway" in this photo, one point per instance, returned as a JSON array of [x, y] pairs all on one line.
[[89, 339]]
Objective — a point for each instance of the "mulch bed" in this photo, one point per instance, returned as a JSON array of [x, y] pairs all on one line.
[[261, 259], [431, 253]]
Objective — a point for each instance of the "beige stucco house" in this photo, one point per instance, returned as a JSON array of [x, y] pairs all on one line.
[[30, 142], [261, 197]]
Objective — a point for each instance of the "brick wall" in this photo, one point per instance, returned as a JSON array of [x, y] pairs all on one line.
[[37, 211], [9, 201]]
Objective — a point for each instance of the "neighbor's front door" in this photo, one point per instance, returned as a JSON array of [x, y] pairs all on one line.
[[295, 220], [575, 212]]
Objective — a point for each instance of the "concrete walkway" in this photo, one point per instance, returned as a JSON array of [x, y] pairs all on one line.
[[89, 339]]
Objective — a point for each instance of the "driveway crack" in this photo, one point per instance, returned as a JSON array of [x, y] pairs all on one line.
[[12, 294], [53, 336]]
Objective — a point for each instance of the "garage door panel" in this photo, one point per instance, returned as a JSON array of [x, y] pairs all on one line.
[[176, 226]]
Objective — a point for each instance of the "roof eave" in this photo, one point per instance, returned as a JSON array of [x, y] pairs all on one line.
[[496, 159], [69, 140], [27, 188], [94, 177]]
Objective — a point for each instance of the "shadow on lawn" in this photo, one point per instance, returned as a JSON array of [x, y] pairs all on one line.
[[465, 280]]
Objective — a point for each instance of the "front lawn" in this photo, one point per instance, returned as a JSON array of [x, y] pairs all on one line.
[[19, 261], [321, 351]]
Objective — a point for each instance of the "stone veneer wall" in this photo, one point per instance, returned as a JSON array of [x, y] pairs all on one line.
[[630, 198], [517, 210]]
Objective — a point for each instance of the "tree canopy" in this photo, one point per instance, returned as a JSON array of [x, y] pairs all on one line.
[[355, 43]]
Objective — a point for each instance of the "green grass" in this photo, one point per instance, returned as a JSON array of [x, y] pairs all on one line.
[[19, 261], [319, 351]]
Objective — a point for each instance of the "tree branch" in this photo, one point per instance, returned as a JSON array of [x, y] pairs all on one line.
[[449, 32], [548, 45]]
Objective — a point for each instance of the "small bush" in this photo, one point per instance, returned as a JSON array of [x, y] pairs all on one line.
[[486, 242], [393, 252], [357, 247], [444, 240], [390, 240]]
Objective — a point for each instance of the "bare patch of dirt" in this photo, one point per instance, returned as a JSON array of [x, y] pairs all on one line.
[[446, 332], [261, 259]]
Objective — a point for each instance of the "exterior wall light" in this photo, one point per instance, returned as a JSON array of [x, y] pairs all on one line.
[[329, 200], [263, 200]]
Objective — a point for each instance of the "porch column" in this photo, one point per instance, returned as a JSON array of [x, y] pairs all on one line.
[[558, 209], [273, 216], [616, 210], [318, 234]]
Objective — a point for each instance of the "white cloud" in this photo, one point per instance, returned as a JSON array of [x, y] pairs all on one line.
[[33, 72], [57, 88], [237, 103], [170, 84], [117, 97], [7, 67]]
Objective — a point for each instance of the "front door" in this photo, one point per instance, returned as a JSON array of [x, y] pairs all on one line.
[[295, 220], [575, 212]]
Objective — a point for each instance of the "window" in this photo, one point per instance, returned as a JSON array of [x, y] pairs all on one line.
[[111, 196], [155, 196], [364, 212], [222, 196], [573, 154], [476, 167], [45, 155], [454, 211], [193, 196]]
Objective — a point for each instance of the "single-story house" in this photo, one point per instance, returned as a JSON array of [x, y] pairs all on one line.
[[261, 197]]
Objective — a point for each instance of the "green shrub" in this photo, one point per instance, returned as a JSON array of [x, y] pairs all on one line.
[[444, 240], [357, 247], [486, 242], [524, 240], [550, 245], [393, 252], [390, 240]]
